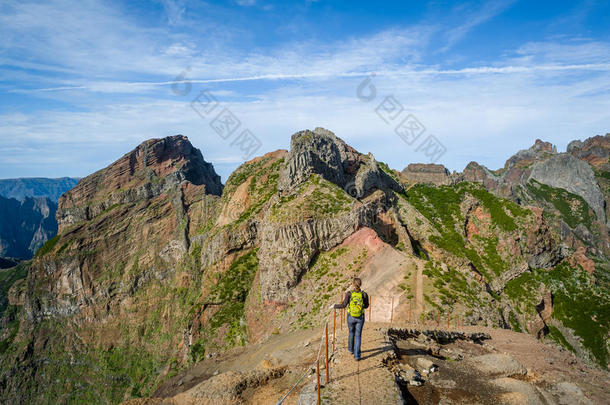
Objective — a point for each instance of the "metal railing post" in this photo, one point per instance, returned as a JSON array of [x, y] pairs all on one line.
[[334, 320], [318, 378], [327, 370]]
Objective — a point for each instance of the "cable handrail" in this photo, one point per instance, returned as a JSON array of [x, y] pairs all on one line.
[[391, 299], [315, 363]]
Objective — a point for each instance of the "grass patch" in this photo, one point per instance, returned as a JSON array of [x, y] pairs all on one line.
[[47, 247]]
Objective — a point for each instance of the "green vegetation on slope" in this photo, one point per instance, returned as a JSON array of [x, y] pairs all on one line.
[[230, 291], [327, 276], [47, 247], [441, 206], [316, 198], [579, 303], [453, 287], [573, 208], [8, 277]]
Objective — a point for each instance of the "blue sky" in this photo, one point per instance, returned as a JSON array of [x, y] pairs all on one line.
[[83, 82]]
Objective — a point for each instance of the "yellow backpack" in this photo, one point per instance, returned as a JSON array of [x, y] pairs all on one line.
[[356, 304]]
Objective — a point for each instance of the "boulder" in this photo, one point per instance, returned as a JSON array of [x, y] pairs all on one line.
[[497, 365], [526, 392]]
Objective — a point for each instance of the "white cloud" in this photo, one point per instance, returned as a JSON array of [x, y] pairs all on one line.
[[82, 53], [473, 18]]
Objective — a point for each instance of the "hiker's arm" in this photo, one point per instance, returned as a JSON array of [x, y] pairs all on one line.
[[344, 303], [365, 301]]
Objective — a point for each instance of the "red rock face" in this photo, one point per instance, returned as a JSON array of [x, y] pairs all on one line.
[[544, 146], [150, 169], [476, 173], [160, 156], [595, 150], [579, 258]]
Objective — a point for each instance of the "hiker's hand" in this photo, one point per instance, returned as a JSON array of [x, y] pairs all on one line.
[[332, 306]]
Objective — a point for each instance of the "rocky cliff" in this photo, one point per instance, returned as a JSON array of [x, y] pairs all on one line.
[[426, 173], [25, 225], [572, 186], [157, 265]]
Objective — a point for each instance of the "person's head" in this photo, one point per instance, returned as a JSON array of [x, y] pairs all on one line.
[[356, 283]]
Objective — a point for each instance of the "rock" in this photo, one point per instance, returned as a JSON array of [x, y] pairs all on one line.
[[308, 395], [498, 365], [227, 387], [445, 384], [453, 354], [594, 150], [426, 173], [266, 364], [409, 375], [569, 393], [574, 175], [512, 398], [291, 244], [291, 248], [525, 392], [321, 152], [425, 366], [544, 309]]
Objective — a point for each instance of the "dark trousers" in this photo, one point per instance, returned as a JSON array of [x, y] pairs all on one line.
[[355, 334]]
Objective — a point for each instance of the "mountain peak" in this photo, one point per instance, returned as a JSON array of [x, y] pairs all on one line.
[[542, 146], [152, 168], [322, 152]]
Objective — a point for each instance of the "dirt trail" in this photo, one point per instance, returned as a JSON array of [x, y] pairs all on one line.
[[264, 373], [367, 381]]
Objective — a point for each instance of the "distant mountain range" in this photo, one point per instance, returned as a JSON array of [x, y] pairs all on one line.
[[27, 215], [36, 187], [26, 225]]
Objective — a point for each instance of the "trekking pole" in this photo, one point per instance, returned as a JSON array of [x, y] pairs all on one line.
[[334, 320], [327, 370], [318, 378]]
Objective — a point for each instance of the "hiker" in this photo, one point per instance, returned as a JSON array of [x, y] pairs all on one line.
[[357, 301]]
